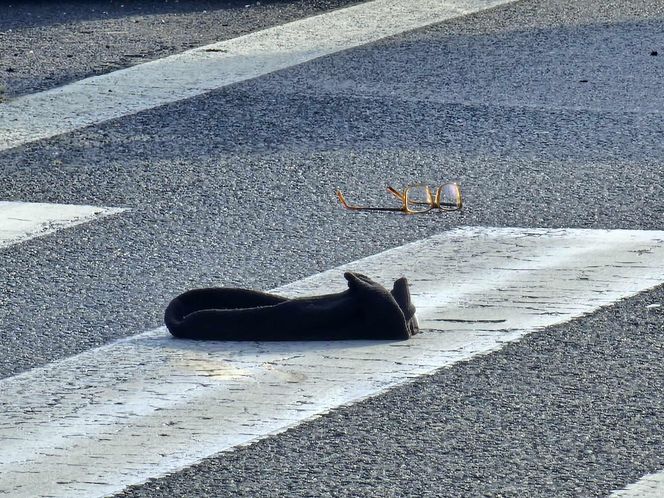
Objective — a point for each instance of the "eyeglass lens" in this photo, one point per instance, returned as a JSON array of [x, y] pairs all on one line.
[[418, 198], [450, 196]]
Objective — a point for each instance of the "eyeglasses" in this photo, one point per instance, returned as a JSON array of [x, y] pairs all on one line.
[[417, 199]]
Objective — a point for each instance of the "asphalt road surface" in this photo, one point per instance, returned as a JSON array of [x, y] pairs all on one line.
[[549, 113]]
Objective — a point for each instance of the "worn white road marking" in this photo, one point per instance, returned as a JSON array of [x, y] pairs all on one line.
[[649, 486], [94, 423], [194, 72], [20, 221]]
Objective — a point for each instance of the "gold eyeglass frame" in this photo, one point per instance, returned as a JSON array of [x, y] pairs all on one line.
[[433, 201]]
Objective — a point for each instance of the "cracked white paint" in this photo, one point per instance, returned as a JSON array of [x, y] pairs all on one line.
[[649, 486], [151, 404], [200, 70], [21, 221]]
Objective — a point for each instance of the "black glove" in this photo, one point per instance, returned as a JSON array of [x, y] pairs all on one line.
[[366, 310]]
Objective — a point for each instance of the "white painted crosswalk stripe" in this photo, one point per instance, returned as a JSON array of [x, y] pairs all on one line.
[[649, 486], [117, 415], [21, 221], [194, 72]]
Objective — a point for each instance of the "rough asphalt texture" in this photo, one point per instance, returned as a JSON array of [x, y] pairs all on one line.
[[548, 113]]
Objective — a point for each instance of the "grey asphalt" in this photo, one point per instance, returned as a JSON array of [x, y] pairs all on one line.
[[549, 113]]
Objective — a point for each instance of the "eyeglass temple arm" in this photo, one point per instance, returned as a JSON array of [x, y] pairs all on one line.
[[395, 193], [345, 204]]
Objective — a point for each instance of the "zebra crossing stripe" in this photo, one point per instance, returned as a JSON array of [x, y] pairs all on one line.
[[21, 221], [649, 486]]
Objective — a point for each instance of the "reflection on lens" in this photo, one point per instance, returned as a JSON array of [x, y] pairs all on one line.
[[418, 198], [450, 196]]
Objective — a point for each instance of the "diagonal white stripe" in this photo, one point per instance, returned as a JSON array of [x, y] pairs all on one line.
[[649, 486], [194, 72], [142, 407], [21, 221]]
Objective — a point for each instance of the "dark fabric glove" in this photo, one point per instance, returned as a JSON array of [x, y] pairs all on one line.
[[366, 310]]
